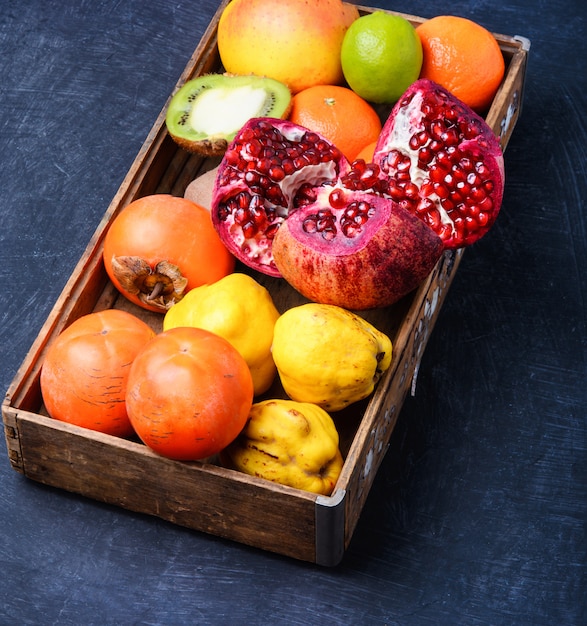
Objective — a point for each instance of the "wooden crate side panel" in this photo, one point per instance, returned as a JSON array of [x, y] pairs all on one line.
[[198, 496], [372, 438], [13, 443], [507, 104]]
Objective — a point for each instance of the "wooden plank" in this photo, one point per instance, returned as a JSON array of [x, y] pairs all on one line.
[[199, 496]]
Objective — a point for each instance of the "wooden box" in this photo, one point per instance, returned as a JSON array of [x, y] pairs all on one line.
[[203, 495]]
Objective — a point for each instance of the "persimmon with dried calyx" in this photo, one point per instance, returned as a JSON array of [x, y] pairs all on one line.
[[159, 247], [85, 371], [189, 393]]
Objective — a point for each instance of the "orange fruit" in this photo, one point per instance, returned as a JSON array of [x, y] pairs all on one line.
[[159, 247], [189, 393], [85, 372], [462, 56], [339, 114], [367, 152]]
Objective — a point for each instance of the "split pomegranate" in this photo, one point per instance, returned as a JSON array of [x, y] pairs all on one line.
[[263, 176], [443, 163], [287, 203]]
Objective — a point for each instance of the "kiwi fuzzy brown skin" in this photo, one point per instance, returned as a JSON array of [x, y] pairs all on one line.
[[198, 128], [200, 189]]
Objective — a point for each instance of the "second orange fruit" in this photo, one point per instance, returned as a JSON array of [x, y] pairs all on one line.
[[339, 114], [462, 56]]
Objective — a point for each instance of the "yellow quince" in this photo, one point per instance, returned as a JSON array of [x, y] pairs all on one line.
[[328, 356], [287, 442], [239, 309]]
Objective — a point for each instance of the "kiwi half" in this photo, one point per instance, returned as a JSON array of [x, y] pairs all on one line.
[[205, 114]]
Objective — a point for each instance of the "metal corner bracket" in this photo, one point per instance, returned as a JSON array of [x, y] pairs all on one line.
[[330, 528]]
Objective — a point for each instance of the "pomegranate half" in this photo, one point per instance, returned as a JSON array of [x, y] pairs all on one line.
[[355, 250], [443, 163], [264, 176]]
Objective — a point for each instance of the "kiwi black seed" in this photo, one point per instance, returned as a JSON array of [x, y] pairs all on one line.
[[205, 114]]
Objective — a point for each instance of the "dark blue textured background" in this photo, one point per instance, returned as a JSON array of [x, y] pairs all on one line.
[[478, 513]]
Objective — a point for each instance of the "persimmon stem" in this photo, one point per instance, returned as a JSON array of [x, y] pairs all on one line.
[[157, 289]]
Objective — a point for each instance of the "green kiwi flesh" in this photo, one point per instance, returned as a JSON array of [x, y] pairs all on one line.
[[206, 113]]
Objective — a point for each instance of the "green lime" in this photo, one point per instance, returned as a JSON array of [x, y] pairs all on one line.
[[381, 56]]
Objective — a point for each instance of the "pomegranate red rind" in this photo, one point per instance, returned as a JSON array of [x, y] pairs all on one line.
[[355, 250], [443, 163], [263, 176]]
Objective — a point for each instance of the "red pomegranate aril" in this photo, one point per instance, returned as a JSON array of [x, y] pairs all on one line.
[[437, 130], [437, 173], [452, 116], [424, 207], [457, 197], [404, 165], [241, 216], [418, 140], [450, 137], [489, 186], [249, 230], [458, 176], [447, 204], [300, 162], [465, 164], [459, 225], [433, 219], [251, 177], [274, 195], [323, 223], [482, 169], [449, 179], [231, 157], [336, 198], [411, 192], [253, 148], [271, 231], [264, 165], [440, 190], [425, 156], [482, 218], [467, 183], [478, 194], [472, 212], [395, 191], [445, 156]]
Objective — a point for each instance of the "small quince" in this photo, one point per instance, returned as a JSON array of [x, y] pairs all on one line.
[[328, 355], [287, 442]]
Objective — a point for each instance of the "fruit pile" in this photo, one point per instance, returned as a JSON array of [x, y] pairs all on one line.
[[304, 187], [313, 188]]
